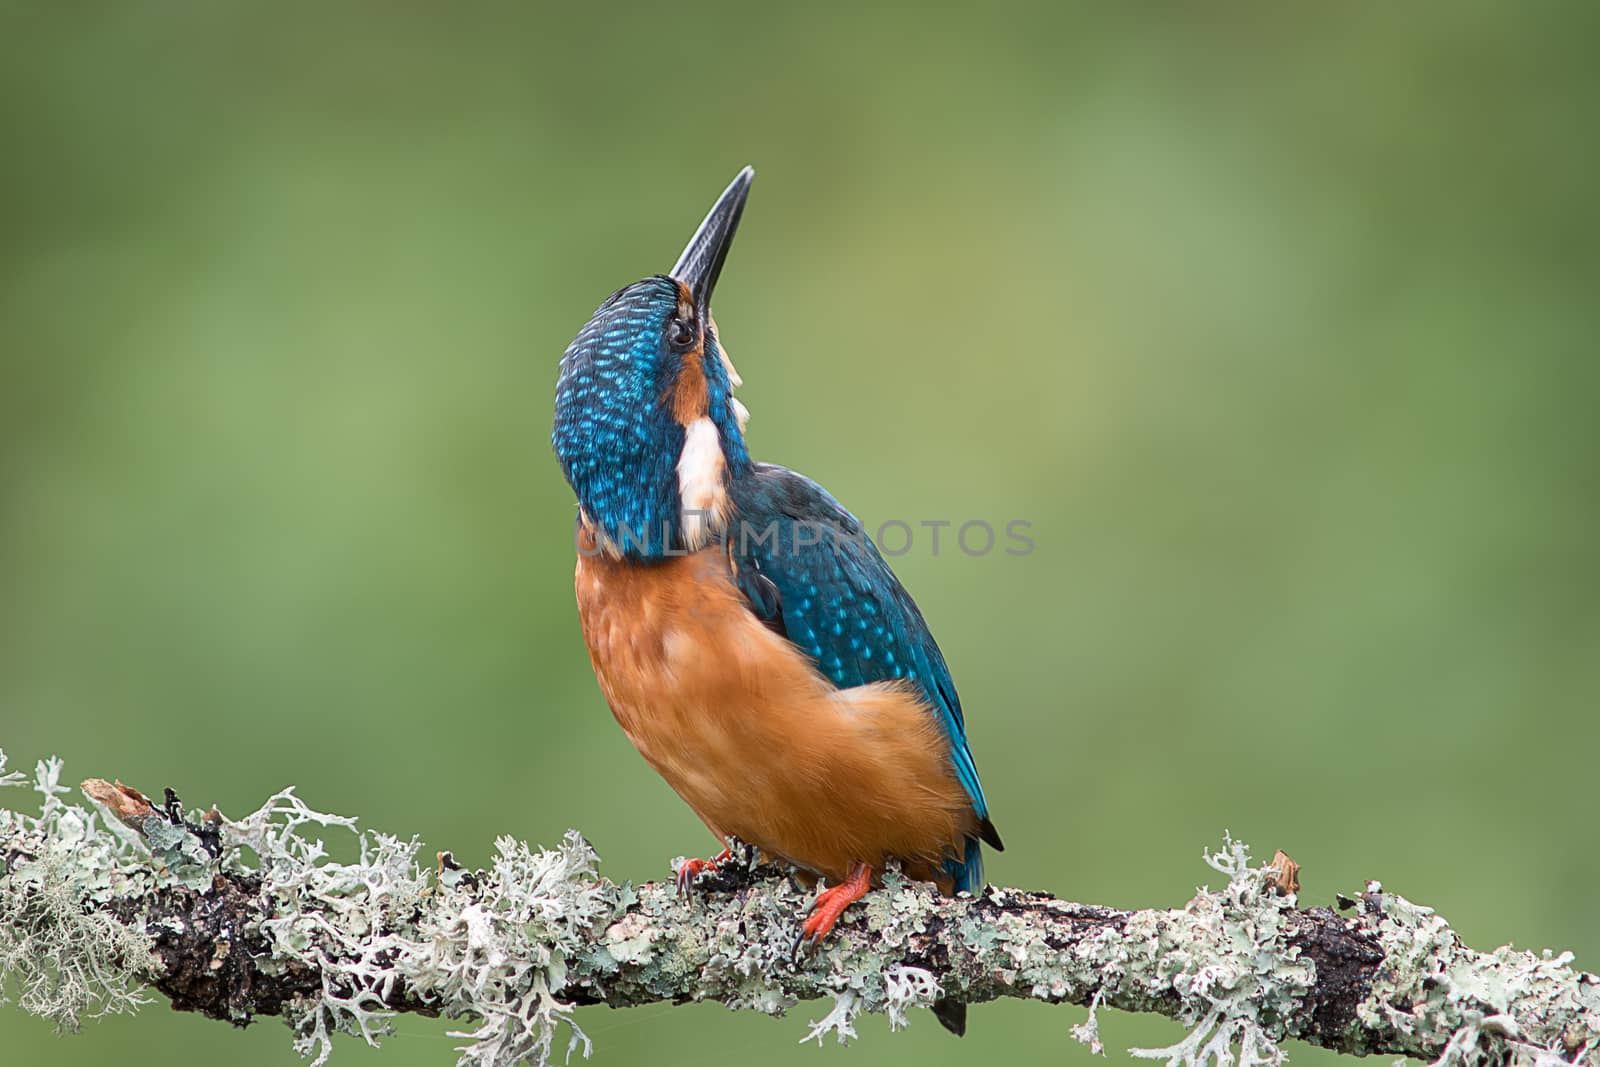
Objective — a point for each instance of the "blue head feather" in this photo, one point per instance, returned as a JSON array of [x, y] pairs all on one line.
[[616, 434]]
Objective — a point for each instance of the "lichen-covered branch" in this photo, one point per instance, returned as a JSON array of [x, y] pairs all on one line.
[[238, 919]]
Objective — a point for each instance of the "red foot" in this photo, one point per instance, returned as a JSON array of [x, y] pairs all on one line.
[[689, 870], [832, 902]]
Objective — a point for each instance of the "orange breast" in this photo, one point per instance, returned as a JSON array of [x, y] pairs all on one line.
[[759, 744]]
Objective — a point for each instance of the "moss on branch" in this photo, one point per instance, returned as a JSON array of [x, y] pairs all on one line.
[[240, 919]]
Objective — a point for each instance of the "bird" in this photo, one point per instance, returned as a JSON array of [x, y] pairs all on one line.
[[746, 632]]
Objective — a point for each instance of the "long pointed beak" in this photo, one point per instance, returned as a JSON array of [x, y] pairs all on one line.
[[701, 262]]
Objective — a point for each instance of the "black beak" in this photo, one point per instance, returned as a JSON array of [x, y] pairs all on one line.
[[701, 262]]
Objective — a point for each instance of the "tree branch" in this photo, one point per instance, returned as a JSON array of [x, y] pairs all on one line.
[[242, 919]]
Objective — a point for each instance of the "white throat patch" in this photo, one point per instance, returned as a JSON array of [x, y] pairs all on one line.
[[741, 413], [702, 484]]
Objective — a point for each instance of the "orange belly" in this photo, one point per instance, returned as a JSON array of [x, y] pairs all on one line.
[[760, 745]]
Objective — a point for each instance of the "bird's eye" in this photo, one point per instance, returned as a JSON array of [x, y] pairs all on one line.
[[681, 334]]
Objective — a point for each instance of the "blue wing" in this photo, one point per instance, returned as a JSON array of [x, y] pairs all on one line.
[[810, 571]]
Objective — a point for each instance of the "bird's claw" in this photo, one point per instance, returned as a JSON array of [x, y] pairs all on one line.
[[689, 870], [829, 905]]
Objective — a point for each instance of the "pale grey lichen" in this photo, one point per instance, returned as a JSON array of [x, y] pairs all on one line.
[[68, 959], [1231, 964], [516, 947], [12, 777], [178, 850], [1088, 1031], [342, 919], [907, 987], [495, 947], [1505, 1006], [501, 949], [840, 1020]]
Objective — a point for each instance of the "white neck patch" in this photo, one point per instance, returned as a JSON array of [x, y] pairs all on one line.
[[741, 413], [702, 484]]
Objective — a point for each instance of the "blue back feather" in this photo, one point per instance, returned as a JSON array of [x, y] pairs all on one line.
[[808, 567]]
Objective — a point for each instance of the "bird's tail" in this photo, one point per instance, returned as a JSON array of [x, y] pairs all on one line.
[[966, 874], [952, 1015]]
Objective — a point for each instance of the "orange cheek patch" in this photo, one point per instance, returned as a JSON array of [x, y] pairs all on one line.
[[691, 398]]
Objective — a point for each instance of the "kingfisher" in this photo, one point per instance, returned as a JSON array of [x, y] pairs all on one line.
[[746, 632]]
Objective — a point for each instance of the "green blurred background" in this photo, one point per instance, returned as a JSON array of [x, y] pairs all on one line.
[[1276, 324]]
